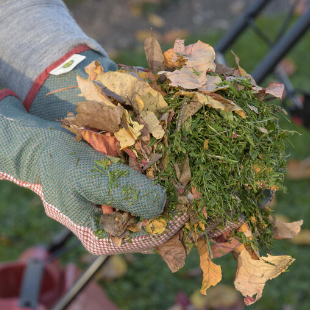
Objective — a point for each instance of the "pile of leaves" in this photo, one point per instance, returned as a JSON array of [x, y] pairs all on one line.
[[210, 136]]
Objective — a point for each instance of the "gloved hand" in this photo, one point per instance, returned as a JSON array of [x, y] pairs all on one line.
[[35, 152], [42, 156]]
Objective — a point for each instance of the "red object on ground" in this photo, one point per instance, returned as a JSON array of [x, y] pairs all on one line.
[[55, 282]]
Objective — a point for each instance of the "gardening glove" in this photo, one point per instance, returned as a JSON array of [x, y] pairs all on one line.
[[37, 36], [42, 156]]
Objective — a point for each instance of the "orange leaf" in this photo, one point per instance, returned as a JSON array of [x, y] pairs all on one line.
[[212, 273], [104, 143], [106, 209]]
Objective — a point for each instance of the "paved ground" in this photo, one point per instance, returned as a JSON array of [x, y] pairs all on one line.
[[118, 24]]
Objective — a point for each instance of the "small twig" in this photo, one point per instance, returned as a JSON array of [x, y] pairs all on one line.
[[59, 90]]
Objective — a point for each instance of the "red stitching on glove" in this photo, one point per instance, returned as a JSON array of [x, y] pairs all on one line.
[[7, 92], [45, 74]]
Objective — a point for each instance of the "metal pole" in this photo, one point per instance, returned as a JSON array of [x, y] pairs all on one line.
[[281, 48], [240, 25], [83, 280]]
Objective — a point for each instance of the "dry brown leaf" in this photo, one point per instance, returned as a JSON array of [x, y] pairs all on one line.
[[222, 70], [173, 252], [212, 273], [154, 55], [213, 100], [93, 69], [116, 223], [252, 274], [241, 71], [189, 110], [303, 238], [222, 248], [153, 124], [211, 86], [221, 103], [200, 55], [99, 116], [91, 92], [185, 175], [186, 78], [274, 89], [283, 230], [156, 226], [128, 87], [193, 74], [104, 143]]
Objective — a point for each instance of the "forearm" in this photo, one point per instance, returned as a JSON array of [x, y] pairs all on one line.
[[35, 34]]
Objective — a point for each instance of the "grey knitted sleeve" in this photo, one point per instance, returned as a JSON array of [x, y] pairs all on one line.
[[33, 35]]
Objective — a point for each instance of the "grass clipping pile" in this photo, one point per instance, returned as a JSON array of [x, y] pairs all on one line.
[[208, 136]]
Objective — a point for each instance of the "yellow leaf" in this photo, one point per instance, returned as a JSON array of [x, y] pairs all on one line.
[[140, 104], [202, 225], [212, 273], [125, 138], [156, 226], [128, 87], [132, 127], [153, 123], [134, 227], [252, 274]]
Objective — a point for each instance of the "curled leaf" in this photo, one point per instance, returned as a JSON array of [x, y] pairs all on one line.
[[212, 273], [91, 93], [173, 252], [252, 274], [99, 116], [154, 54], [93, 69], [283, 230]]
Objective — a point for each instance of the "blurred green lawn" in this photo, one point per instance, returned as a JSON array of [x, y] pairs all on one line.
[[148, 283]]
